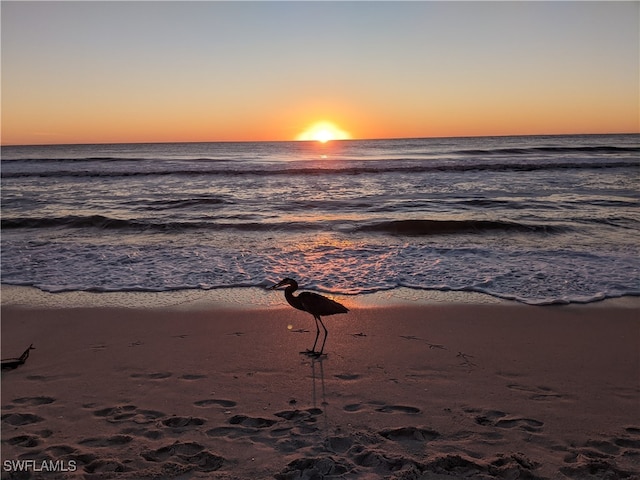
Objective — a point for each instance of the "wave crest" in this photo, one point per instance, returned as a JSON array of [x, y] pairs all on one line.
[[440, 227]]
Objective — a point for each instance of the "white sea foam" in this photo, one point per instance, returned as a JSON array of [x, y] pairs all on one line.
[[534, 219]]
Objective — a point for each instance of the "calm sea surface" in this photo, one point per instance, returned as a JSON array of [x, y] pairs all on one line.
[[537, 219]]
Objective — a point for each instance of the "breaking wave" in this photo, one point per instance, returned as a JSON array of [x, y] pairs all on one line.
[[603, 149]]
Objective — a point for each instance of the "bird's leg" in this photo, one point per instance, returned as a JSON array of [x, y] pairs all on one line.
[[313, 349], [326, 334]]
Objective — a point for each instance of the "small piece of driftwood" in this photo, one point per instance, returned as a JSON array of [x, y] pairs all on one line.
[[11, 363]]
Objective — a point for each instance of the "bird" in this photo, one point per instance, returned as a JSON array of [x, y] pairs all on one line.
[[313, 303]]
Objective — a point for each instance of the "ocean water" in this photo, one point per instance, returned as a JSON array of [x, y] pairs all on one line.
[[540, 220]]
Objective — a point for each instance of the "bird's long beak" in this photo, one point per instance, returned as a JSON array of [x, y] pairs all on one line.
[[276, 286]]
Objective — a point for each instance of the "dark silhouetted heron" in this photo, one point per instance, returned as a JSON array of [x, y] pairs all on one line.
[[316, 305]]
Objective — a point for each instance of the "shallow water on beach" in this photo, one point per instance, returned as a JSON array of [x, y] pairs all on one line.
[[241, 298], [534, 219]]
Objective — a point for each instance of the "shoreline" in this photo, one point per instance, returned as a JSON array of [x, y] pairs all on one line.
[[250, 298], [421, 391], [257, 298]]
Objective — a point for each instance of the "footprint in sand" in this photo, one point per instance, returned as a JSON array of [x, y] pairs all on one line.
[[631, 438], [60, 450], [604, 446], [242, 426], [19, 419], [409, 434], [486, 417], [231, 432], [353, 407], [338, 443], [307, 416], [190, 454], [192, 376], [183, 422], [106, 466], [152, 376], [129, 413], [383, 408], [52, 378], [26, 441], [292, 432], [255, 422], [151, 434], [162, 454], [316, 467], [496, 418], [34, 400], [214, 401], [628, 443], [88, 462], [398, 409], [528, 424], [598, 468], [112, 441], [281, 432], [115, 411], [299, 423], [539, 393]]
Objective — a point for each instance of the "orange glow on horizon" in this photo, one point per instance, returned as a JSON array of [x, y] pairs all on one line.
[[323, 132], [45, 125]]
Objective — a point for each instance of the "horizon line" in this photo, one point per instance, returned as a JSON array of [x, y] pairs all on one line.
[[316, 141]]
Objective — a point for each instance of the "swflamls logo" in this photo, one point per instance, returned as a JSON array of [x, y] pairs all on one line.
[[39, 465]]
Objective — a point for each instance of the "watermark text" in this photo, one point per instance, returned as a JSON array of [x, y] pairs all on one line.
[[31, 465]]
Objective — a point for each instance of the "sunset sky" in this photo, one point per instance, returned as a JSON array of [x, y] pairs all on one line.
[[103, 72]]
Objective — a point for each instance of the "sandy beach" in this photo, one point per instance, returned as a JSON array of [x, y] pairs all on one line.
[[406, 391]]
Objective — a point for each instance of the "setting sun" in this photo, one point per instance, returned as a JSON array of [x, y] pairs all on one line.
[[323, 132]]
